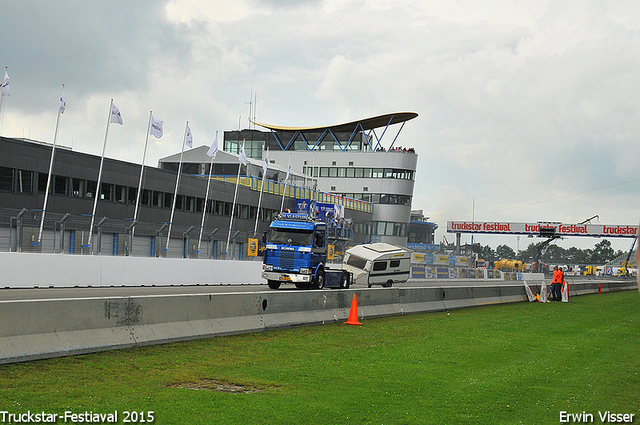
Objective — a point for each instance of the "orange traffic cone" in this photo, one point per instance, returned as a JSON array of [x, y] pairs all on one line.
[[353, 313], [599, 288]]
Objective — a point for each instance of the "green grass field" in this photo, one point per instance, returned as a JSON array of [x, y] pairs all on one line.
[[519, 363]]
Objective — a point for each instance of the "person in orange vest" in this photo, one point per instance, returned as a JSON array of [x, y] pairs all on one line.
[[556, 283]]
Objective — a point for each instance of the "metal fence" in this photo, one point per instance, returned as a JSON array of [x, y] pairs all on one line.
[[69, 234]]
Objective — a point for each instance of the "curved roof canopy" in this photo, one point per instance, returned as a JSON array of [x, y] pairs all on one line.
[[363, 124]]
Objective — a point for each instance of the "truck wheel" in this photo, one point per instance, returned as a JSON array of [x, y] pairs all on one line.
[[273, 284], [318, 282]]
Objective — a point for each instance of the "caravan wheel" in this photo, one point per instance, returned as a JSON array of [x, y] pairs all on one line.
[[389, 284]]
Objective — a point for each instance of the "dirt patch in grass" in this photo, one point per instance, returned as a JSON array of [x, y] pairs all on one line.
[[219, 386]]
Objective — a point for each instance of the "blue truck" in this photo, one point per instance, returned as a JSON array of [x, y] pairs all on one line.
[[296, 252]]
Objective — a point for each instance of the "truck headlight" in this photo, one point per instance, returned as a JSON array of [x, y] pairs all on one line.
[[267, 267], [305, 270]]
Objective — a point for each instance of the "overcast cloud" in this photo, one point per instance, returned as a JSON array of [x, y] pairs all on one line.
[[527, 110]]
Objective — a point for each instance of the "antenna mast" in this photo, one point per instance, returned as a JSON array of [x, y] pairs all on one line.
[[250, 106]]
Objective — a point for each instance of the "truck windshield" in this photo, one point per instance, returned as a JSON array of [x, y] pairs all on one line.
[[299, 237], [356, 261]]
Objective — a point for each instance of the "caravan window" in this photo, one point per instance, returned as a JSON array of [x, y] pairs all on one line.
[[394, 263], [379, 266]]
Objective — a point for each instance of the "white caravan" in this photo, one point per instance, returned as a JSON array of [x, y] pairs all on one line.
[[378, 264]]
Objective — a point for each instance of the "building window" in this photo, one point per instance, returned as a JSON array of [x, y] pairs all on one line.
[[78, 188], [156, 199], [106, 191], [6, 179], [252, 148], [220, 207], [61, 185], [190, 204], [146, 197], [180, 202], [133, 194], [121, 193], [25, 181], [382, 228], [168, 200], [91, 189]]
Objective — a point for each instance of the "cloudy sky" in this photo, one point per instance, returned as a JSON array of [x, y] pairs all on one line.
[[528, 110]]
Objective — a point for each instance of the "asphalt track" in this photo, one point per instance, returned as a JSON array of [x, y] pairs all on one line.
[[27, 294]]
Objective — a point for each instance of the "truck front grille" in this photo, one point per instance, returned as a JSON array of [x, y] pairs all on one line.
[[287, 259]]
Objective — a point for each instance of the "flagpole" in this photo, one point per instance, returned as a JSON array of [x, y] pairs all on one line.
[[98, 191], [255, 228], [6, 73], [285, 184], [144, 156], [1, 114], [285, 191], [206, 199], [175, 192], [235, 195], [264, 174], [46, 193], [233, 209]]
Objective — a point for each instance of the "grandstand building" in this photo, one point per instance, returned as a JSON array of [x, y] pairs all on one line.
[[349, 160]]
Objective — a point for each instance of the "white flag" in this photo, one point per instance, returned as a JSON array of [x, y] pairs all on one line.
[[266, 162], [286, 179], [243, 156], [189, 139], [213, 150], [63, 104], [115, 114], [156, 127], [5, 84]]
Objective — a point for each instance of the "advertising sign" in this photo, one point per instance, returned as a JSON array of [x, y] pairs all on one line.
[[253, 248], [593, 230]]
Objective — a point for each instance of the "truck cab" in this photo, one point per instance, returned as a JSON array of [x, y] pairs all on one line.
[[295, 252]]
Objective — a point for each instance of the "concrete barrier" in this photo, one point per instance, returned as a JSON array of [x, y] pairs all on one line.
[[25, 270], [58, 327]]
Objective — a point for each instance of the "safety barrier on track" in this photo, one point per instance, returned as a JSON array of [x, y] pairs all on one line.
[[38, 329]]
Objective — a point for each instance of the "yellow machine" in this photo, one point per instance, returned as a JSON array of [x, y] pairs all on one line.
[[590, 270], [624, 266], [510, 265]]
